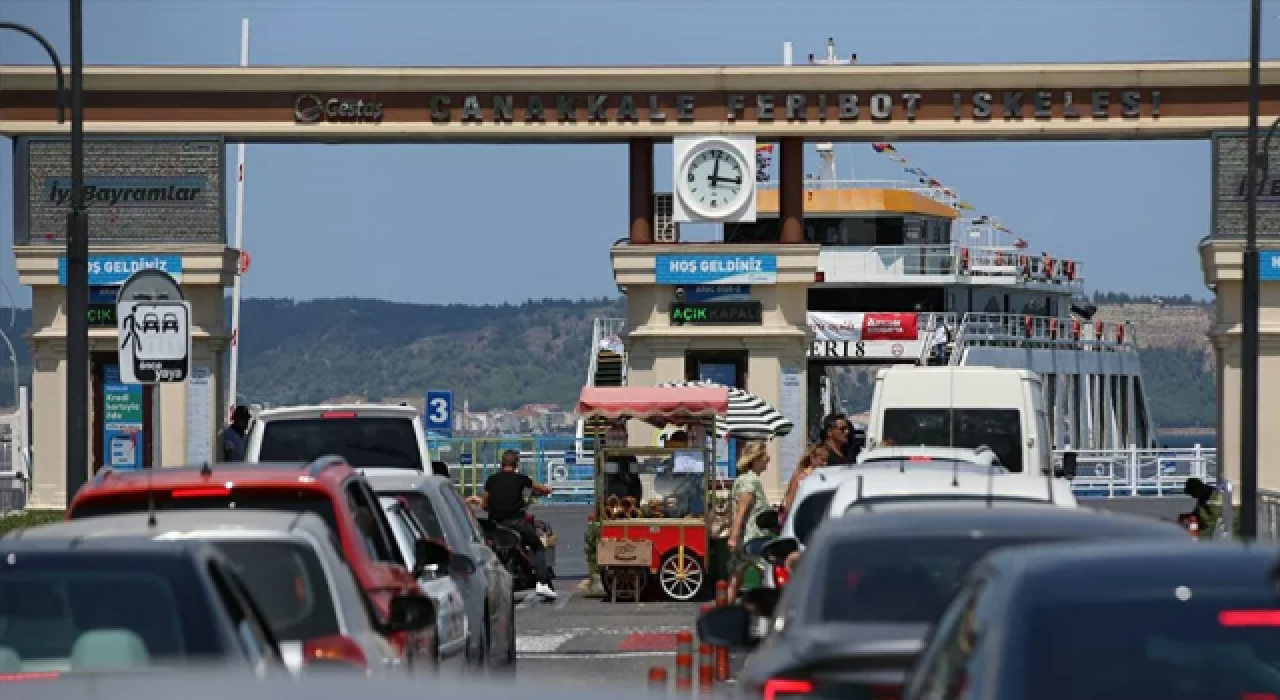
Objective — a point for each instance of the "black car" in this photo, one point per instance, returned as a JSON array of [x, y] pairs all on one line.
[[852, 620], [78, 605], [1110, 621]]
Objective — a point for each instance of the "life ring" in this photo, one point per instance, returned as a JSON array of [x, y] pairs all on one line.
[[1046, 266], [999, 259], [1120, 333], [1025, 264], [1053, 328], [1099, 331], [1071, 270], [964, 259], [1075, 328], [559, 473], [1028, 324]]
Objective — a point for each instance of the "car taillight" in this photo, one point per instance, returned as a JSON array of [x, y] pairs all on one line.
[[1249, 618], [781, 576], [336, 651], [885, 692], [337, 415], [777, 688], [30, 676], [200, 493]]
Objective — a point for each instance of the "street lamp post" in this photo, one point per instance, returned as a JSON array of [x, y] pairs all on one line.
[[77, 304], [1249, 300], [53, 58]]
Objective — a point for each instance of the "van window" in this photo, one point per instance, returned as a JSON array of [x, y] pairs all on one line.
[[364, 441], [997, 428]]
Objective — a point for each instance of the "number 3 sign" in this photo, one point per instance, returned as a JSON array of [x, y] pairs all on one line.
[[439, 411]]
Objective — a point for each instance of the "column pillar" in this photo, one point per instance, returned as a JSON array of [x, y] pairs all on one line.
[[791, 189], [641, 183]]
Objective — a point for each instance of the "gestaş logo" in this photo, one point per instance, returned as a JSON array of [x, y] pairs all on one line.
[[309, 108]]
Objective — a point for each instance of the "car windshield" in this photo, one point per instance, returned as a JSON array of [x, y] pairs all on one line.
[[1171, 642], [299, 501], [364, 441], [288, 583], [998, 429], [420, 506], [900, 579], [810, 513], [95, 611]]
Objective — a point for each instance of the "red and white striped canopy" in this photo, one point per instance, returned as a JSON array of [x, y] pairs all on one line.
[[654, 405]]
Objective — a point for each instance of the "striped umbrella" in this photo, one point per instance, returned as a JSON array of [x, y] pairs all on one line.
[[749, 417]]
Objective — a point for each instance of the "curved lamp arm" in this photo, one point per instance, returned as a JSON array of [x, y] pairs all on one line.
[[53, 56]]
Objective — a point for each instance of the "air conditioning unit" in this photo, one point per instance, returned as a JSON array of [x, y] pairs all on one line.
[[665, 229]]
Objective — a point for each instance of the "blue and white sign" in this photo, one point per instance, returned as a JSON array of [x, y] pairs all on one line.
[[438, 415], [1269, 260], [122, 415], [716, 269], [699, 293], [113, 270]]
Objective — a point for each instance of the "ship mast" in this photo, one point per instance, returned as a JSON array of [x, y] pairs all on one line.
[[826, 151]]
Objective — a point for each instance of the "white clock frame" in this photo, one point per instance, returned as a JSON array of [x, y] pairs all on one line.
[[684, 149]]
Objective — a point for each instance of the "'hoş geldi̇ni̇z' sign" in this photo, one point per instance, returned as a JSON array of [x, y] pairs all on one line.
[[717, 313], [161, 190], [873, 105]]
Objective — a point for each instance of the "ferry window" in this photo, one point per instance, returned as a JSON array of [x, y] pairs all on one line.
[[763, 231], [999, 429]]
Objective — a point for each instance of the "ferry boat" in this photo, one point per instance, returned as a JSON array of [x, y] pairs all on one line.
[[901, 259]]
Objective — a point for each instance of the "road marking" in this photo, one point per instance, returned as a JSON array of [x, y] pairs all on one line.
[[564, 600], [540, 643], [528, 602], [649, 641], [565, 656]]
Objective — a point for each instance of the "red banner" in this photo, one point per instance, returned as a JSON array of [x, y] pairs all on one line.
[[889, 326]]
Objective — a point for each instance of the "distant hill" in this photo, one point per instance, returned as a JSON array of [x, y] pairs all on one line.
[[536, 352]]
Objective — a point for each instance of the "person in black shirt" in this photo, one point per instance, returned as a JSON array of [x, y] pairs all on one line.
[[836, 431], [504, 500]]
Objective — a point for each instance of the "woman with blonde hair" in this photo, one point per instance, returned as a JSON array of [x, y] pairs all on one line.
[[814, 458], [748, 501]]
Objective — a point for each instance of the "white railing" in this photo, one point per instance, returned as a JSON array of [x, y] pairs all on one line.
[[840, 263], [15, 456], [1027, 331], [1140, 472]]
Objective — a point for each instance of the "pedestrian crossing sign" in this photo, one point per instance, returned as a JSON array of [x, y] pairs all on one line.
[[155, 341]]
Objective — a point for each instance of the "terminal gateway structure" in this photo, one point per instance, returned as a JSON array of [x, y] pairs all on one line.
[[851, 272]]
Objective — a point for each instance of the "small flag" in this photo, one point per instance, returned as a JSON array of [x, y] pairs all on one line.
[[934, 183], [898, 159], [1019, 243], [884, 148], [964, 205], [764, 148]]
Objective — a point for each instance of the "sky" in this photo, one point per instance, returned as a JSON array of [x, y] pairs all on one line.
[[492, 224]]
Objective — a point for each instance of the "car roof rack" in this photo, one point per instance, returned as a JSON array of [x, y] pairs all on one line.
[[320, 464]]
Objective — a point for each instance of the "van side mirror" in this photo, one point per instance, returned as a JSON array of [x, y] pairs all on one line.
[[1069, 465], [768, 520], [727, 626], [777, 551], [411, 612], [430, 553]]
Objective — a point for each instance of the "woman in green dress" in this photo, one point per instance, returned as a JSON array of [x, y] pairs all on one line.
[[749, 500]]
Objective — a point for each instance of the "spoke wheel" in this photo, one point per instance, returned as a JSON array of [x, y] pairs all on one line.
[[681, 582]]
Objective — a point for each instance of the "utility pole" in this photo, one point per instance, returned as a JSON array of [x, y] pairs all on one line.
[[1249, 300], [77, 303]]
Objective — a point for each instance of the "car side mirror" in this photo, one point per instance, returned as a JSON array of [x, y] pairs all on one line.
[[777, 551], [726, 626], [761, 601], [461, 564], [753, 548], [1069, 465], [411, 612], [768, 520], [431, 553]]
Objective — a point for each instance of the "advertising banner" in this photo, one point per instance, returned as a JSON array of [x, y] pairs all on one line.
[[114, 270], [716, 269], [165, 189], [1269, 260], [858, 336], [122, 421]]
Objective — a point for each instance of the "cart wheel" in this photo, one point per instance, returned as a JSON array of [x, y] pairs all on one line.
[[623, 583], [681, 583]]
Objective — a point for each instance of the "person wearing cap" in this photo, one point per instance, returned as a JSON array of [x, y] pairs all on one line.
[[234, 436]]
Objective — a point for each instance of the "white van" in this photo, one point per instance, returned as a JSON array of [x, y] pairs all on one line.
[[1003, 409], [366, 435]]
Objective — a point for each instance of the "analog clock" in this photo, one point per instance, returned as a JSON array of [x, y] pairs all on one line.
[[714, 180]]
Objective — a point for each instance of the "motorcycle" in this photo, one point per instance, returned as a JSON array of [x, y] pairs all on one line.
[[508, 546], [770, 523]]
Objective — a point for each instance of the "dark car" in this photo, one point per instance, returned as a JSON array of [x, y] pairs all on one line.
[[1110, 621], [852, 620], [119, 604]]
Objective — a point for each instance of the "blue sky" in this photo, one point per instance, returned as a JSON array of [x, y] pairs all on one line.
[[507, 223]]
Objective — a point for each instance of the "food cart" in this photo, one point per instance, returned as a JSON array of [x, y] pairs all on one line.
[[655, 505]]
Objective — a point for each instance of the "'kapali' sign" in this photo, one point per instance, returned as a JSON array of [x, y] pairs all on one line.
[[979, 105]]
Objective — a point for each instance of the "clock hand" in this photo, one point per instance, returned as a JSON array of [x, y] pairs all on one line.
[[715, 171]]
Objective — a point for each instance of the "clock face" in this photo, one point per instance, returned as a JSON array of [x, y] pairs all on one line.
[[714, 182]]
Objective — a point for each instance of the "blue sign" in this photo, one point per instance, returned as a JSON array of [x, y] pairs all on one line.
[[103, 295], [716, 269], [113, 270], [122, 416], [699, 293], [1270, 263], [722, 374], [438, 415]]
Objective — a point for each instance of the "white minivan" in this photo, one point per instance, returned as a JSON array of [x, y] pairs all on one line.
[[999, 408], [366, 435]]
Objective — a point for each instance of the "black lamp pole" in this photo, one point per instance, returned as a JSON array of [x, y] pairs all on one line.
[[53, 58], [1249, 298], [77, 304]]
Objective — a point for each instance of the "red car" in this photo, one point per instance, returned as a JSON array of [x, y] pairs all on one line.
[[328, 487]]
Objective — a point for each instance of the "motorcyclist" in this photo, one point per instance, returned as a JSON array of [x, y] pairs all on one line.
[[504, 500]]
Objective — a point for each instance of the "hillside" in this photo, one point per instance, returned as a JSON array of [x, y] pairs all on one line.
[[536, 352]]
